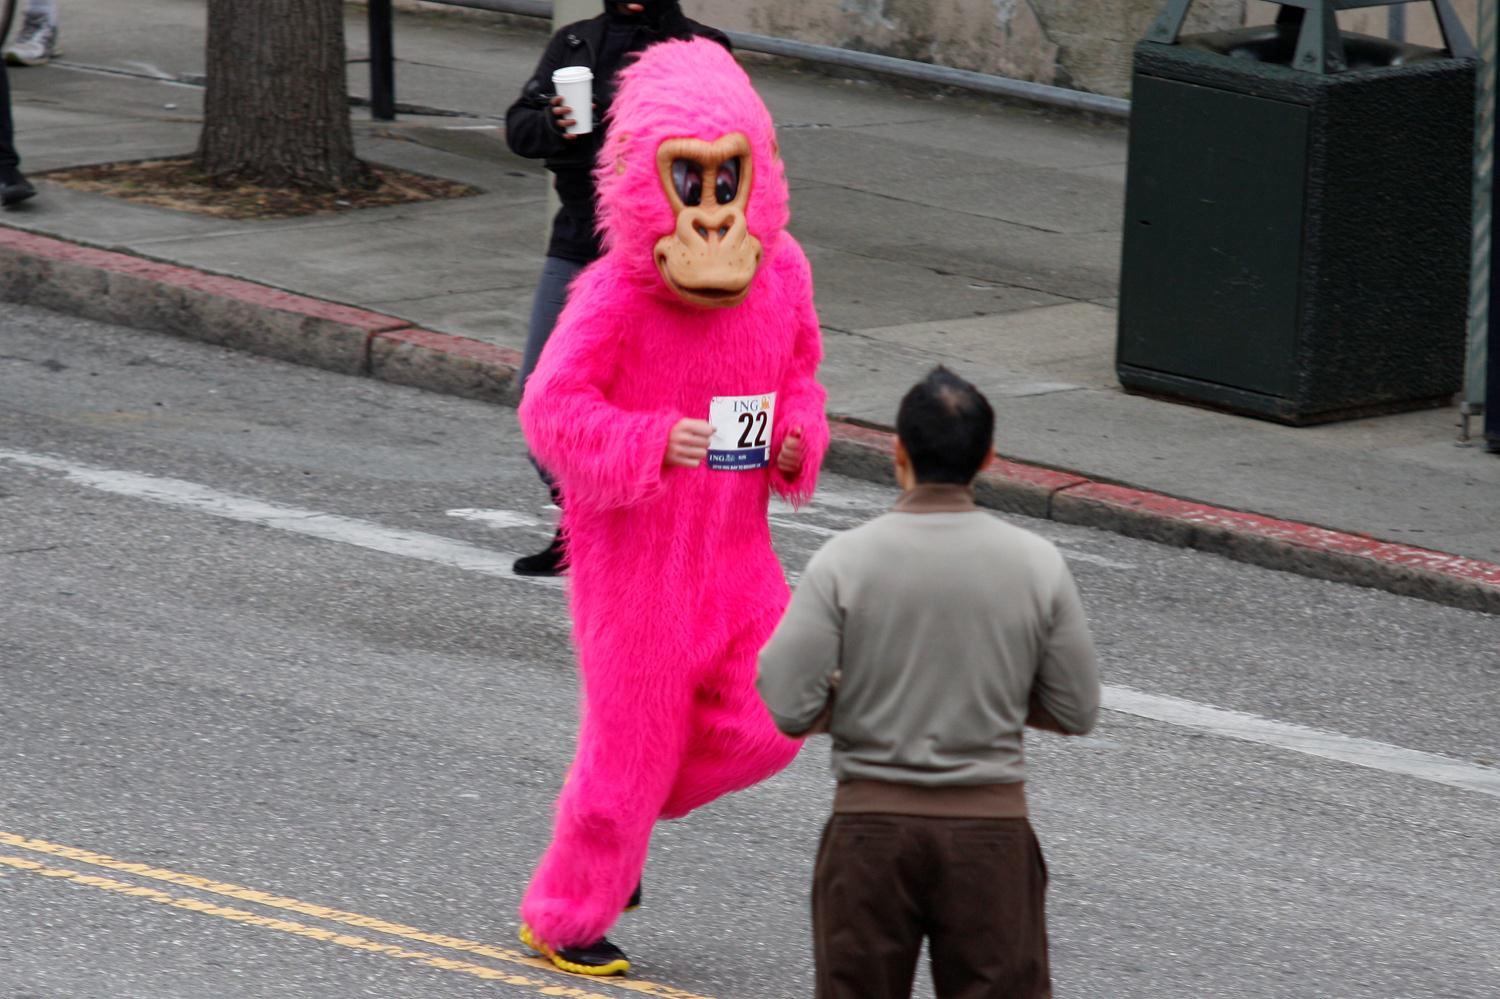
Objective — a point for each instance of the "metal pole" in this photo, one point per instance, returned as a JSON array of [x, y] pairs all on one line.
[[1492, 413], [1396, 22], [1483, 357], [382, 61], [1482, 307]]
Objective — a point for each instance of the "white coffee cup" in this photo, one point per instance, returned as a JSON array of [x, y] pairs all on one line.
[[575, 85]]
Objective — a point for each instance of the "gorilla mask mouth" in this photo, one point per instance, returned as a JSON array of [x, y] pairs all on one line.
[[710, 257]]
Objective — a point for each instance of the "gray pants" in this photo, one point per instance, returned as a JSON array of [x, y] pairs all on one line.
[[551, 295]]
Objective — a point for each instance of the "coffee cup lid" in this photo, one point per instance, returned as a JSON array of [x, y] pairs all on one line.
[[572, 74]]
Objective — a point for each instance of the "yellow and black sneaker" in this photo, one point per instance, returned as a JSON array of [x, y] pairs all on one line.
[[635, 899], [598, 958]]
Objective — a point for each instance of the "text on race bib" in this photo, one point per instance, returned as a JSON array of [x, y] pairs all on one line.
[[742, 431]]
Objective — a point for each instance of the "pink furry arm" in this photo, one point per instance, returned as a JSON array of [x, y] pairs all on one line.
[[802, 402], [604, 457]]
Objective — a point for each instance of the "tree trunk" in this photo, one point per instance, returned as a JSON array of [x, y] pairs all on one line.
[[276, 110]]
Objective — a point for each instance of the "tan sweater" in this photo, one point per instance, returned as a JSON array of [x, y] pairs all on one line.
[[943, 628]]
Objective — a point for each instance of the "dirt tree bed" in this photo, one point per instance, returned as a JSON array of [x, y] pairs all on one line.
[[178, 184]]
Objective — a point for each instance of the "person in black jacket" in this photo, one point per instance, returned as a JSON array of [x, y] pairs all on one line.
[[534, 128]]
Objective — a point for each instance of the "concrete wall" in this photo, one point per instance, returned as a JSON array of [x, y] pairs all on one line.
[[1078, 43], [1072, 43], [1421, 24]]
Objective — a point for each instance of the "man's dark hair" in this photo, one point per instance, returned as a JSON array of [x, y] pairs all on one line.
[[946, 426]]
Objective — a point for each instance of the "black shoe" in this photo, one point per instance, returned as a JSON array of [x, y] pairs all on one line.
[[635, 899], [598, 958], [548, 562], [14, 188]]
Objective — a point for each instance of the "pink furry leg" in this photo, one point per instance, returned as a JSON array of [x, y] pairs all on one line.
[[625, 766], [734, 742]]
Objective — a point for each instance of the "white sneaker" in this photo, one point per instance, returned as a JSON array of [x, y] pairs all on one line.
[[36, 43]]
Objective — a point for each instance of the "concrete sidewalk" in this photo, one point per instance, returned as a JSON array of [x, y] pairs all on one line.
[[941, 229]]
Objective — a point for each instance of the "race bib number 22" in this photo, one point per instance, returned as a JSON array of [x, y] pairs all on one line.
[[742, 431]]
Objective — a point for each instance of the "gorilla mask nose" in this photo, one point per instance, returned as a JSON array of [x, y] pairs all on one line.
[[710, 257]]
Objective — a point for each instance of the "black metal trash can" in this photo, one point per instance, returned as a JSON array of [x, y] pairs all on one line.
[[1297, 217]]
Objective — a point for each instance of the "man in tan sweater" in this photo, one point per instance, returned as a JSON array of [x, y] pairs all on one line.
[[925, 641]]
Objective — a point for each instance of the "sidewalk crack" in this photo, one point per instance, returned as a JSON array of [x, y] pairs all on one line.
[[940, 272], [947, 208]]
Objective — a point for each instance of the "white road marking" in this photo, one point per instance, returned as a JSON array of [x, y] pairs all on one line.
[[1222, 722], [314, 523], [497, 519], [782, 515], [826, 499], [1302, 739], [1089, 557], [793, 524]]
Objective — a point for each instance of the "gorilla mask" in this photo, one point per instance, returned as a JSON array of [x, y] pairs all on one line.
[[691, 185]]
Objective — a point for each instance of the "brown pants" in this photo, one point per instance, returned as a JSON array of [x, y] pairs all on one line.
[[975, 888]]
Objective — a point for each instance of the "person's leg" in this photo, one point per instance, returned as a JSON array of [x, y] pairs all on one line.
[[626, 762], [867, 907], [36, 40], [14, 187], [546, 304], [551, 295], [988, 936], [9, 160], [733, 743]]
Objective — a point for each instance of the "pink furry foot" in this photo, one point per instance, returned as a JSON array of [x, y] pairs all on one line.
[[571, 922]]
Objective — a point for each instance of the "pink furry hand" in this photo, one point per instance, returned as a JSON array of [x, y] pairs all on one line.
[[789, 459], [687, 445]]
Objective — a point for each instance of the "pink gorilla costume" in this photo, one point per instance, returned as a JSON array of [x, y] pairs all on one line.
[[673, 582]]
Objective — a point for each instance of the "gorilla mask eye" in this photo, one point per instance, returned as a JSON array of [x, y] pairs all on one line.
[[687, 178], [727, 184]]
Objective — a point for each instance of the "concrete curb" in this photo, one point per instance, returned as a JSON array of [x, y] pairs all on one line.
[[135, 291], [1288, 545], [440, 362]]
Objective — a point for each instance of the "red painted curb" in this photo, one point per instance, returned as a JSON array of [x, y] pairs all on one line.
[[1289, 532], [455, 346], [1002, 470], [867, 437], [441, 362], [397, 352], [183, 277], [1188, 516], [1047, 478]]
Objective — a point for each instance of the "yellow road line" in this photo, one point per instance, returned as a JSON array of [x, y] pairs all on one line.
[[295, 928], [310, 909]]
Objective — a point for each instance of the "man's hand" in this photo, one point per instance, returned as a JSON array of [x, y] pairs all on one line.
[[687, 445], [1039, 717], [563, 118], [789, 460]]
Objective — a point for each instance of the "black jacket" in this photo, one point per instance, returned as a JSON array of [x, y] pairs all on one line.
[[530, 128]]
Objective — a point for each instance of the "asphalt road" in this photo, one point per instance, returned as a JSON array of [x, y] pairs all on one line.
[[275, 721]]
